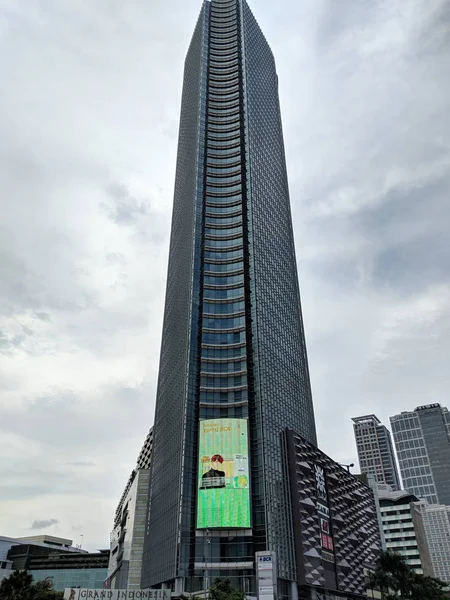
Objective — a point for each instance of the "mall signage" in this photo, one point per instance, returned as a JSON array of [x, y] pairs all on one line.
[[323, 510], [89, 594]]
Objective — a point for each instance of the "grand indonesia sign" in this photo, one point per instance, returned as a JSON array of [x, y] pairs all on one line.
[[86, 594]]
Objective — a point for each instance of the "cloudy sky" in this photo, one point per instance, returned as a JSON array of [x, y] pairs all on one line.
[[88, 129]]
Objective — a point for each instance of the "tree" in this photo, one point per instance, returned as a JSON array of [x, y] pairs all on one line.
[[19, 586], [222, 590], [397, 581]]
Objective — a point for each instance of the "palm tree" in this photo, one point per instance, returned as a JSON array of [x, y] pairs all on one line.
[[18, 586], [397, 581]]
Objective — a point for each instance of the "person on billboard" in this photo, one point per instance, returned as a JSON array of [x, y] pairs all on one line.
[[214, 478]]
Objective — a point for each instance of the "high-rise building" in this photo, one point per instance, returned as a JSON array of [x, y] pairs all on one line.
[[375, 450], [233, 365], [436, 523], [422, 441], [403, 528]]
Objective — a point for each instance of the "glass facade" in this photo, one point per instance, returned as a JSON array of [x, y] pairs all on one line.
[[72, 578], [422, 441], [233, 344]]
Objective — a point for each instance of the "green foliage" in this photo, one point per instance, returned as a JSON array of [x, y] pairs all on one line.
[[397, 581], [222, 590], [19, 586]]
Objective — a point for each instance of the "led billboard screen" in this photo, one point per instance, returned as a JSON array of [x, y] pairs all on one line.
[[223, 475]]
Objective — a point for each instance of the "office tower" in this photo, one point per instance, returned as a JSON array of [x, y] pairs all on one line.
[[422, 441], [375, 451], [403, 528], [436, 523], [127, 536], [233, 365]]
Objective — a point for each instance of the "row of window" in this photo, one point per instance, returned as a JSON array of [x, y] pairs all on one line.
[[227, 256], [226, 126], [217, 243], [222, 212], [231, 381], [223, 191], [217, 339], [225, 352], [223, 280], [214, 178], [221, 153], [224, 105], [219, 44], [227, 323], [222, 294], [223, 161], [222, 27], [222, 147], [230, 136], [223, 309], [224, 219], [224, 267], [221, 81], [225, 397], [224, 367], [225, 168]]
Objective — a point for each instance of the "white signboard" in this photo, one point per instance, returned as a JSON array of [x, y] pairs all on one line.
[[266, 575], [89, 594]]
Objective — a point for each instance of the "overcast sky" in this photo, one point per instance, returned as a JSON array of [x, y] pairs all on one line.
[[89, 113]]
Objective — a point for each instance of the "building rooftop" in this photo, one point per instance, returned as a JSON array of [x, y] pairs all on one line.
[[366, 418]]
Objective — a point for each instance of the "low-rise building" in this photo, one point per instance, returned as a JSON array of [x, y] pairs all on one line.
[[70, 570], [27, 546]]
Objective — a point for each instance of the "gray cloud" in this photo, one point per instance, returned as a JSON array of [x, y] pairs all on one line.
[[124, 209], [44, 524], [87, 160]]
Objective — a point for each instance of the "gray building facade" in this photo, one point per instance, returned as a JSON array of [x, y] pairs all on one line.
[[403, 529], [436, 523], [130, 520], [422, 441], [336, 527], [375, 450], [233, 344]]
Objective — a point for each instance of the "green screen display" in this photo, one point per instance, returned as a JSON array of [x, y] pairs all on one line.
[[223, 475]]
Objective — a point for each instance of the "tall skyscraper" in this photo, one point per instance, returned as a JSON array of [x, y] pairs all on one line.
[[233, 365], [422, 441], [375, 450]]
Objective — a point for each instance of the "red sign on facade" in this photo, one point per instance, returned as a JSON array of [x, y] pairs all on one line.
[[327, 542]]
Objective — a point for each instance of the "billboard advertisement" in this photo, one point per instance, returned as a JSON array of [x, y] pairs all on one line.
[[223, 495]]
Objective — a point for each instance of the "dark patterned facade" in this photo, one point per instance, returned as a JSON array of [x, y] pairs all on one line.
[[233, 342], [332, 553]]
